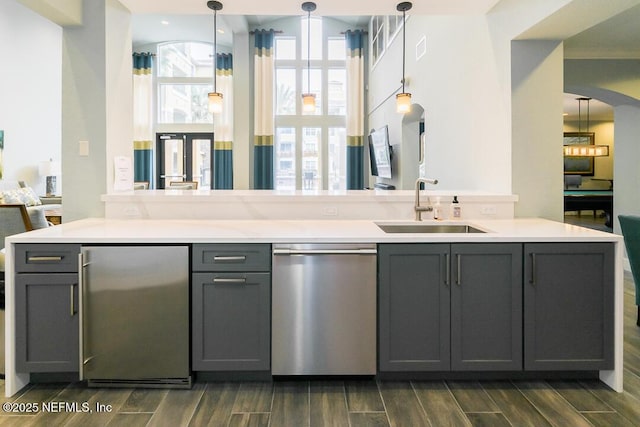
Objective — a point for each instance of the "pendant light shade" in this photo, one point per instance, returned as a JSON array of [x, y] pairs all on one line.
[[215, 98], [308, 99], [215, 102], [403, 100], [308, 102], [581, 149]]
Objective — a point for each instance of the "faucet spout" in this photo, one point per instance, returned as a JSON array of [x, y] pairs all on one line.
[[416, 206]]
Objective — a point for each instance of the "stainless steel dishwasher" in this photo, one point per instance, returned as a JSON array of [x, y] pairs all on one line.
[[324, 309]]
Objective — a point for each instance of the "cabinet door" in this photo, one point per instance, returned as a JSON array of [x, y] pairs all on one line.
[[486, 307], [413, 306], [47, 322], [231, 321], [568, 308]]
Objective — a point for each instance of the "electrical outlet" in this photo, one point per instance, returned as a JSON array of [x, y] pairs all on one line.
[[488, 210], [330, 211]]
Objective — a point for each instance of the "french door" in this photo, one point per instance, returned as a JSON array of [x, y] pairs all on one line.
[[184, 157]]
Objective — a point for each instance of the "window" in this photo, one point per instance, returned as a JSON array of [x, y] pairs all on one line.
[[383, 30], [184, 77], [310, 149], [377, 37]]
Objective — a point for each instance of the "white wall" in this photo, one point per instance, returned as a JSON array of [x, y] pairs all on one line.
[[627, 162], [30, 88], [119, 83], [537, 162], [457, 82], [97, 106]]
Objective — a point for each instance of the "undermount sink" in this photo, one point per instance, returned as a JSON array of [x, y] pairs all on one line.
[[429, 228]]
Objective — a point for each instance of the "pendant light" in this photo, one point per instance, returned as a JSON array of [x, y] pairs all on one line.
[[215, 98], [589, 149], [403, 100], [308, 99]]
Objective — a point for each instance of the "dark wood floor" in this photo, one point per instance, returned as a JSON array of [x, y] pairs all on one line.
[[356, 403]]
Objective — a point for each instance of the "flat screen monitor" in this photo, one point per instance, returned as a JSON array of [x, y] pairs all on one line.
[[380, 152]]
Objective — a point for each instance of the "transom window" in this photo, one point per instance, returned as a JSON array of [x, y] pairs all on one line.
[[383, 30]]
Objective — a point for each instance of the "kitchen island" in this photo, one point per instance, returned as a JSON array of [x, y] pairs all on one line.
[[524, 233]]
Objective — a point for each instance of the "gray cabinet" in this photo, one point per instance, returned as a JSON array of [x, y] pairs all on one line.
[[569, 306], [46, 297], [231, 308], [486, 307], [413, 307], [450, 307]]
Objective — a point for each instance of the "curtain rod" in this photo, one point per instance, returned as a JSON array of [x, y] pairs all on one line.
[[363, 32], [275, 31]]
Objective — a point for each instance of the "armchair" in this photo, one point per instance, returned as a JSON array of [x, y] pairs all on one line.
[[630, 225], [14, 219]]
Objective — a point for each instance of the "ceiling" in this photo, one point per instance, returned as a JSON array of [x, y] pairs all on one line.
[[615, 38]]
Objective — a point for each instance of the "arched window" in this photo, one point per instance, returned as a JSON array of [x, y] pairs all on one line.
[[184, 78]]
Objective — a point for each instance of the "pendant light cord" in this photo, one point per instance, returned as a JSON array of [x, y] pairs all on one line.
[[309, 51], [403, 45], [215, 43]]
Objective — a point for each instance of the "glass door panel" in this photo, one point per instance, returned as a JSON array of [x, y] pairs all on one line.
[[184, 157], [172, 161], [201, 162]]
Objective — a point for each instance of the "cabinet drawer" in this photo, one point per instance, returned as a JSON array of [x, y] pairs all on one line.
[[46, 258], [231, 257]]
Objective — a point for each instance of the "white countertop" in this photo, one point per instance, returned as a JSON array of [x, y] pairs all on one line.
[[100, 230]]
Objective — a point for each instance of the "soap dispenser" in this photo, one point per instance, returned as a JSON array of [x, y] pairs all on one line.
[[456, 209], [437, 209]]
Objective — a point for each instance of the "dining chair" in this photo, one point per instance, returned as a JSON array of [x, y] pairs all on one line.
[[183, 185], [141, 185], [14, 219], [630, 225]]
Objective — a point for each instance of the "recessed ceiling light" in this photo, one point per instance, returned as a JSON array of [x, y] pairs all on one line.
[[565, 114], [220, 30], [164, 22]]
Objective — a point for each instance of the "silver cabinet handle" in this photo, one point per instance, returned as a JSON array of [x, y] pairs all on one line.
[[532, 280], [458, 280], [325, 251], [229, 280], [447, 262], [81, 266], [228, 258], [72, 300], [44, 258]]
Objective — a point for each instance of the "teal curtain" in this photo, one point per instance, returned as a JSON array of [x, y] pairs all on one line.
[[355, 109], [223, 125], [142, 116], [263, 110]]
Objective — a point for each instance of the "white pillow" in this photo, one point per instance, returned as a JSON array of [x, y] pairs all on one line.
[[24, 195]]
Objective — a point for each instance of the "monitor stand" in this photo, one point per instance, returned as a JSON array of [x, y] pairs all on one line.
[[383, 186]]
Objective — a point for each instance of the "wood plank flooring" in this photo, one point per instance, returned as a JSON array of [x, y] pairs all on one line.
[[353, 403]]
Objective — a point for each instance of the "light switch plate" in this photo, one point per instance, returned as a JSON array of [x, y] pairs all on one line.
[[83, 148]]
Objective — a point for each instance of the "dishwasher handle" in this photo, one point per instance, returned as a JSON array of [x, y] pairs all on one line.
[[280, 251]]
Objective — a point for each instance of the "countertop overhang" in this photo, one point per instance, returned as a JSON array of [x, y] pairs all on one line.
[[146, 231]]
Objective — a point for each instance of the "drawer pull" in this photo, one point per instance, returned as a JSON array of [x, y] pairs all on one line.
[[447, 279], [72, 299], [44, 258], [532, 280], [238, 280], [227, 258]]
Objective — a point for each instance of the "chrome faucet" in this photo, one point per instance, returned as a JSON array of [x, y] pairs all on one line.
[[416, 206]]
